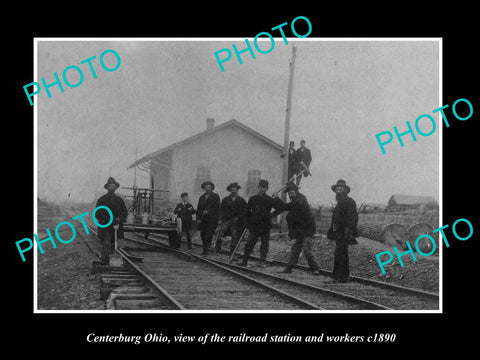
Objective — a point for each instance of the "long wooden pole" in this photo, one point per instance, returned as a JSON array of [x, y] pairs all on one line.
[[286, 139], [135, 169]]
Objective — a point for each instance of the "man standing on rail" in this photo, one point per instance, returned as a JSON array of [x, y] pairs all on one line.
[[207, 210], [343, 229], [117, 206], [184, 210], [258, 219], [301, 227], [232, 217]]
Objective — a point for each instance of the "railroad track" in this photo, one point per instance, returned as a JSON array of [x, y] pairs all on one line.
[[123, 288], [203, 278], [199, 284], [183, 280], [389, 295]]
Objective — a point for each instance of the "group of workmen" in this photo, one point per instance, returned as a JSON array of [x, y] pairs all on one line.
[[233, 214]]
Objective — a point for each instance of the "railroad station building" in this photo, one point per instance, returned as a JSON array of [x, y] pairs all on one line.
[[226, 153]]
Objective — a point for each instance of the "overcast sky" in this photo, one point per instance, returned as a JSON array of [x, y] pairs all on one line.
[[344, 93]]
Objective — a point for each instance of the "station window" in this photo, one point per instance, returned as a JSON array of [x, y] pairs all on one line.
[[203, 174], [253, 177]]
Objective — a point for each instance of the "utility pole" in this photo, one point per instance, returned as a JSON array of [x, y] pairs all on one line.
[[135, 169], [287, 121], [286, 139], [96, 186]]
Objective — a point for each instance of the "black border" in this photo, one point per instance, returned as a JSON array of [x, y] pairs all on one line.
[[429, 331]]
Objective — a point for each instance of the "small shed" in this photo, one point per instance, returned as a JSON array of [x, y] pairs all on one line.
[[407, 202]]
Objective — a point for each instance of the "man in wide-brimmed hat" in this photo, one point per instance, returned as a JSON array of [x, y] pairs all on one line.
[[232, 217], [301, 227], [258, 219], [343, 229], [117, 206], [207, 210]]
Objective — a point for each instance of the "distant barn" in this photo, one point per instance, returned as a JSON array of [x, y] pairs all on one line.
[[229, 152], [406, 202]]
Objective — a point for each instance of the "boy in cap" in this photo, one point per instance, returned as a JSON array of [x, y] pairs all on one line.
[[184, 210]]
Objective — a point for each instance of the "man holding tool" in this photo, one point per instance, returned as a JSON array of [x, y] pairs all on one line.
[[232, 217], [258, 221], [301, 227]]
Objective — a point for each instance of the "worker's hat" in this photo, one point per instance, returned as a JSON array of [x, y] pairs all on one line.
[[341, 183], [207, 183], [111, 180], [263, 183], [229, 187]]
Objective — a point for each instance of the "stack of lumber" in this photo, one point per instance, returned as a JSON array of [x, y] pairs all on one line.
[[371, 231], [395, 235], [391, 234], [424, 244]]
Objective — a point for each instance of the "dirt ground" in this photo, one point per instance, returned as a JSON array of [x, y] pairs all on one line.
[[65, 280], [422, 274]]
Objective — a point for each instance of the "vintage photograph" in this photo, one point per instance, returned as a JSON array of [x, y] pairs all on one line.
[[296, 180]]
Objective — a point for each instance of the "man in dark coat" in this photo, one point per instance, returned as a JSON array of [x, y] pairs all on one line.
[[303, 155], [208, 213], [184, 210], [293, 163], [258, 220], [343, 230], [117, 206], [301, 227], [232, 217]]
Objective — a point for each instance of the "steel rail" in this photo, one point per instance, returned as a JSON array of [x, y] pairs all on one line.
[[375, 283], [367, 303], [168, 299], [354, 299], [271, 289]]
